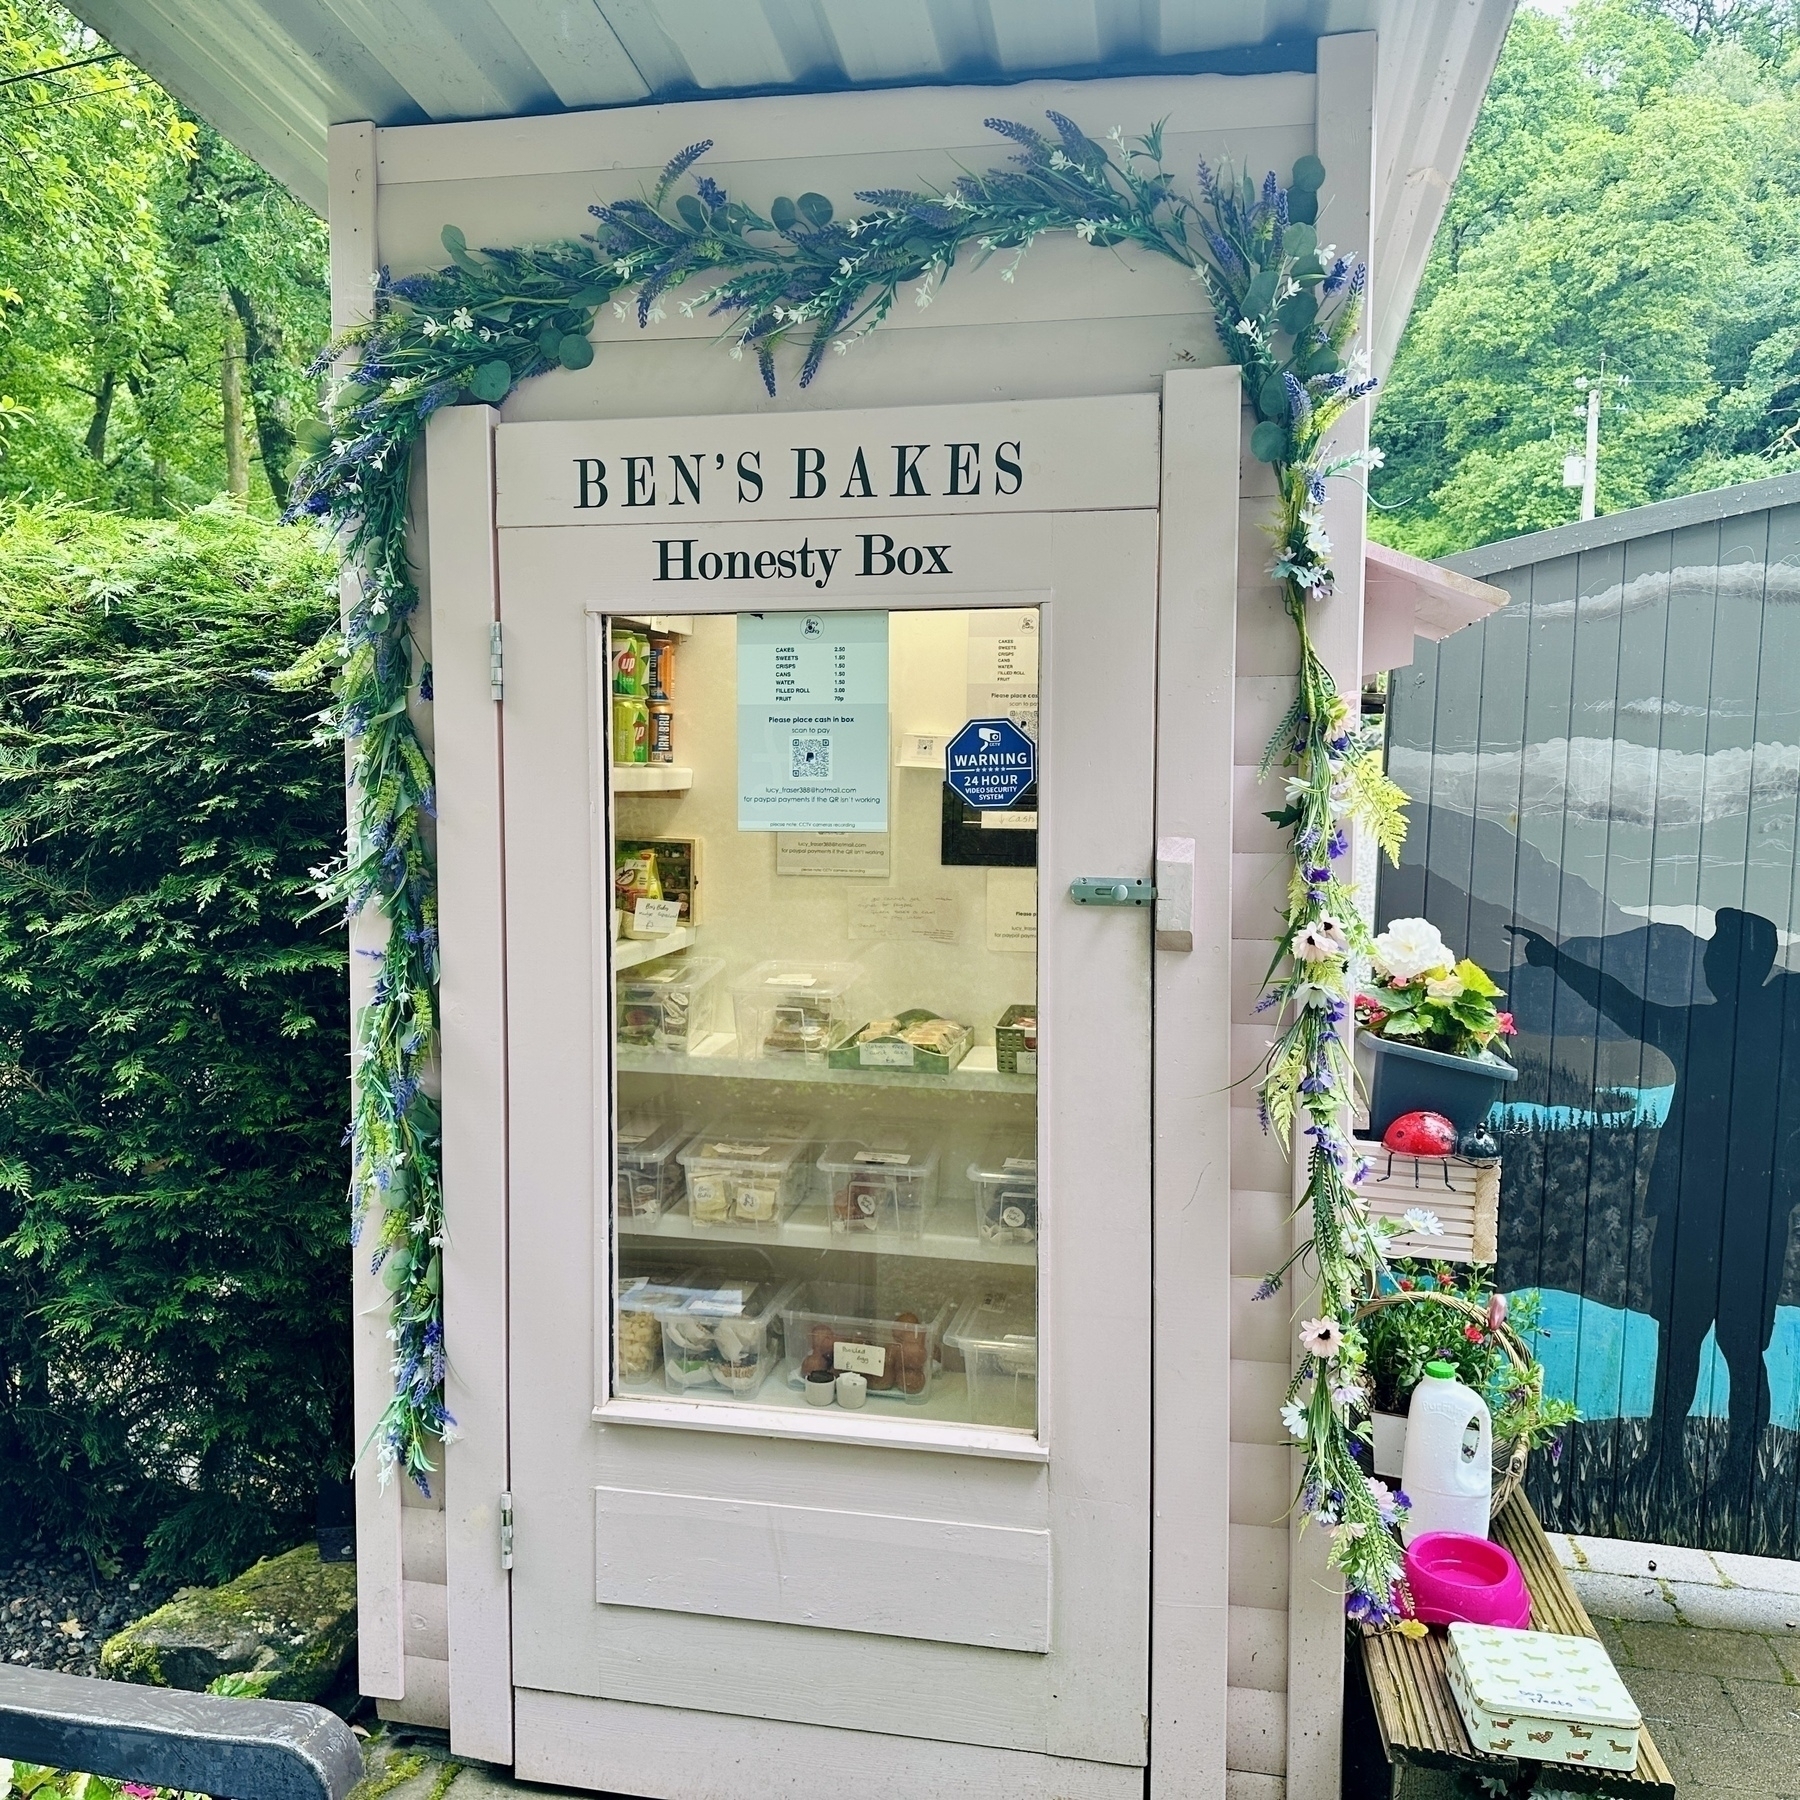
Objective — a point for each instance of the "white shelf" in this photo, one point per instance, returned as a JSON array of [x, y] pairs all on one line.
[[717, 1057], [949, 1235], [657, 622], [629, 952], [651, 778], [947, 1403]]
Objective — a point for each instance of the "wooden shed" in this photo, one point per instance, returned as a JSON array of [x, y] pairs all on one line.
[[850, 1217]]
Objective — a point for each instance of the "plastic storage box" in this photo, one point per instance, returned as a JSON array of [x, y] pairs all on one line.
[[649, 1177], [915, 1039], [1015, 1041], [724, 1338], [1006, 1193], [896, 1346], [881, 1186], [797, 1010], [669, 1004], [997, 1340], [642, 1300], [738, 1175]]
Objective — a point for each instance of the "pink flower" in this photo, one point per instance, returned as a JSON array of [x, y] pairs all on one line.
[[138, 1791], [1507, 1028], [1496, 1311], [1322, 1338]]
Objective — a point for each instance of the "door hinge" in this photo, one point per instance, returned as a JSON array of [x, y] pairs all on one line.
[[496, 663], [506, 1522], [1111, 890]]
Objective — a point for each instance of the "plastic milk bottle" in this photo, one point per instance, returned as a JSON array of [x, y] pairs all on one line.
[[1448, 1469]]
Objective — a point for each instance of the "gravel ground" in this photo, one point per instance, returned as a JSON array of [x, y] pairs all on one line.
[[55, 1612]]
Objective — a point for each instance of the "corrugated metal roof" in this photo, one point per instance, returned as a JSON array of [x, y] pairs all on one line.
[[272, 75]]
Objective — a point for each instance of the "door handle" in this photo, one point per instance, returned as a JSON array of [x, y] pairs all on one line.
[[1111, 890]]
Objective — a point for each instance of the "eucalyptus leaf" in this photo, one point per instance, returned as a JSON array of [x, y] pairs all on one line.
[[783, 215], [1260, 295], [692, 212], [1268, 442], [1303, 206], [434, 1273], [492, 381], [1308, 175], [1297, 312], [575, 351], [816, 210], [1299, 240], [1272, 399], [395, 1270]]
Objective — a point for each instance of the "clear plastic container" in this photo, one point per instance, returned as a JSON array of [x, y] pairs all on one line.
[[649, 1177], [997, 1339], [881, 1185], [797, 1010], [1006, 1196], [745, 1177], [642, 1300], [724, 1339], [669, 1004], [896, 1347]]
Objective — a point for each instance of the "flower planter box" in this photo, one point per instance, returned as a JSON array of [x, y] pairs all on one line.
[[1409, 1079]]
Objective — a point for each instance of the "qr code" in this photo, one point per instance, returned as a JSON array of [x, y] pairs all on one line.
[[812, 758]]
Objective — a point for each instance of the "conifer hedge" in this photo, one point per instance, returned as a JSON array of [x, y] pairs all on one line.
[[174, 1333]]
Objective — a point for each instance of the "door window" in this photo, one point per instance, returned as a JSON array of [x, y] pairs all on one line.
[[823, 1135]]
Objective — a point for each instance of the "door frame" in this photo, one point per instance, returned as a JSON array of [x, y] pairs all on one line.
[[1191, 1119]]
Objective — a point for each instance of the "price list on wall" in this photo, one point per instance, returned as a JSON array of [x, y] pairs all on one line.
[[812, 721]]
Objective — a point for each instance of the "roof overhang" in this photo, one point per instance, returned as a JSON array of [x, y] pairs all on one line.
[[273, 75], [1406, 598]]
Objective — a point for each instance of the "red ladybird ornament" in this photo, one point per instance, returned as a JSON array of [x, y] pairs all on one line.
[[1421, 1134]]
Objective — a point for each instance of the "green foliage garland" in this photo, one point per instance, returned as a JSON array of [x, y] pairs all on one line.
[[1286, 310]]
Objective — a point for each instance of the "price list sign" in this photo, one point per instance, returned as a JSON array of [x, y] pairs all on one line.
[[812, 721]]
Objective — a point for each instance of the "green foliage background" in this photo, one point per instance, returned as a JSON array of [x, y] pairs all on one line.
[[174, 1330], [1632, 193]]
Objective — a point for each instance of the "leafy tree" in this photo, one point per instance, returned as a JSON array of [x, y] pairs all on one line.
[[1631, 202], [174, 1330], [146, 270]]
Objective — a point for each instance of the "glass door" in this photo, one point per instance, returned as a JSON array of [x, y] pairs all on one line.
[[824, 1130]]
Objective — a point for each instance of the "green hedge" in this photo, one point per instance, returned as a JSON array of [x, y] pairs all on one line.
[[174, 1332]]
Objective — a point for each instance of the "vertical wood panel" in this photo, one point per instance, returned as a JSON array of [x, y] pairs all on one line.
[[380, 1619], [1190, 1547]]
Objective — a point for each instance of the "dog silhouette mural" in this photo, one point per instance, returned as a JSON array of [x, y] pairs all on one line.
[[1725, 1176]]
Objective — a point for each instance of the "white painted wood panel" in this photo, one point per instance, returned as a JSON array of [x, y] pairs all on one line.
[[1259, 1221], [677, 474], [471, 911], [1256, 1391], [1240, 1784], [939, 1579], [1261, 1484], [427, 1701], [1256, 1727], [1259, 1559], [1258, 1648], [1195, 608], [427, 1620], [422, 1547], [617, 1747]]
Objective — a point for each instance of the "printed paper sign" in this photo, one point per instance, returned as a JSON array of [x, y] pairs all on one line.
[[863, 855], [1012, 910], [813, 735], [875, 917], [1003, 665]]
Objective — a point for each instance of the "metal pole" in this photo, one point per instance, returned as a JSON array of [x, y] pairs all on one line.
[[1591, 471]]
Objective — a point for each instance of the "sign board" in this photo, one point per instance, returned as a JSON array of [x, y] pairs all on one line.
[[813, 734], [990, 763]]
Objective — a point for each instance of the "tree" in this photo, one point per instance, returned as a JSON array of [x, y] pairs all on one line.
[[1632, 194]]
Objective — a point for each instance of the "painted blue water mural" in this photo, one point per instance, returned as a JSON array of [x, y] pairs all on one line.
[[1604, 1359]]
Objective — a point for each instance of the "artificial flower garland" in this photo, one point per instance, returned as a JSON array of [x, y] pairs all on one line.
[[1286, 311]]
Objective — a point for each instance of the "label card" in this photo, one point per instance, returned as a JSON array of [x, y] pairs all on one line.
[[1012, 910], [864, 1359], [655, 918]]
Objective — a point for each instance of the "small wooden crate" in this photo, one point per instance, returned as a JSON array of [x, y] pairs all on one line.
[[1464, 1196]]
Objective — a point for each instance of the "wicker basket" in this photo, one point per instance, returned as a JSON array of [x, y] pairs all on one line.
[[1509, 1458]]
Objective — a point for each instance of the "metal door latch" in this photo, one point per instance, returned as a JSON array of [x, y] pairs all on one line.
[[1111, 890], [506, 1531]]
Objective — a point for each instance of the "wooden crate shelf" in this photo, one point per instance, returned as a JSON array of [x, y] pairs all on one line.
[[1465, 1197]]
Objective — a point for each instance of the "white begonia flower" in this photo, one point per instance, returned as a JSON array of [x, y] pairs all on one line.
[[1410, 948], [1444, 987]]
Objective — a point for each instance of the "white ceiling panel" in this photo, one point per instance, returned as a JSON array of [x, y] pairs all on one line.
[[576, 51]]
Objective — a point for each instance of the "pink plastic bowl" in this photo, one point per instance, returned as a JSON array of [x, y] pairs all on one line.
[[1456, 1577]]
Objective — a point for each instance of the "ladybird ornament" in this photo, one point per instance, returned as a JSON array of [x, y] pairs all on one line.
[[1479, 1145], [1421, 1134]]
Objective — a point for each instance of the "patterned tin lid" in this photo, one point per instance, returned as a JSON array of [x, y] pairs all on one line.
[[1542, 1675]]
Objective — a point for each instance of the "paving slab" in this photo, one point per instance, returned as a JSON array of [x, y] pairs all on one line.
[[1770, 1574], [1618, 1556], [1683, 1697], [1768, 1706], [1737, 1759], [1683, 1647]]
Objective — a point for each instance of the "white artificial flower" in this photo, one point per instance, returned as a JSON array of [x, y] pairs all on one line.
[[431, 327], [1293, 1416], [1444, 987], [922, 294], [1312, 944], [1332, 931], [622, 266], [618, 311], [1246, 326], [1322, 1338], [1059, 161], [1410, 948], [657, 314], [1085, 229], [463, 319], [1422, 1221]]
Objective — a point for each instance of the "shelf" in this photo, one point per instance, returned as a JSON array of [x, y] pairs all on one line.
[[660, 623], [948, 1237], [947, 1404], [651, 778], [717, 1057], [627, 953]]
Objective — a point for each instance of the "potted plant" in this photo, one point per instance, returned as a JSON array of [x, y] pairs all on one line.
[[1432, 1315], [1431, 1023]]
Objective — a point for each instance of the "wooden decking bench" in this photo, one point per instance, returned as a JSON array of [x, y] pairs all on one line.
[[1415, 1728]]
